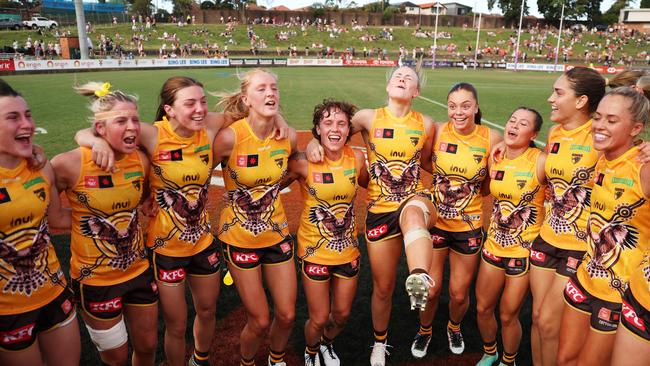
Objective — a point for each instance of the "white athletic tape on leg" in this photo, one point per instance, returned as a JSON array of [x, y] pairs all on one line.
[[419, 204], [107, 339], [414, 234]]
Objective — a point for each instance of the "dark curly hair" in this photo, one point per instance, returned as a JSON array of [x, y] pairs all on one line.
[[328, 106]]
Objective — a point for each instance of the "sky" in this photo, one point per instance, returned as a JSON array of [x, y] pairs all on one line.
[[481, 5]]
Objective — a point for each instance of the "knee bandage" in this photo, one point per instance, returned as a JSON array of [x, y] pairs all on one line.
[[107, 339], [414, 234], [419, 204]]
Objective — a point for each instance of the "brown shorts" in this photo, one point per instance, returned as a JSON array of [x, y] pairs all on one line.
[[244, 258], [19, 331], [173, 270], [106, 302], [324, 272], [564, 262]]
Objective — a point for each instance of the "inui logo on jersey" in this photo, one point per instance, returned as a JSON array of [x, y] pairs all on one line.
[[384, 133], [239, 257], [317, 270], [170, 155], [573, 292], [631, 317], [377, 232], [106, 306], [325, 178], [555, 148], [172, 275], [98, 181], [247, 161], [449, 148], [17, 335], [4, 195]]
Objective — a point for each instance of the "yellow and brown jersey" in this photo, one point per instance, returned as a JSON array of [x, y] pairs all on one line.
[[518, 205], [254, 217], [394, 151], [179, 181], [30, 274], [640, 282], [327, 233], [460, 169], [569, 172], [107, 243], [618, 233]]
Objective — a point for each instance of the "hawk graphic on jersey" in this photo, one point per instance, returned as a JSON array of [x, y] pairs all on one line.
[[395, 188], [26, 278], [124, 242], [452, 193], [189, 212], [507, 229], [254, 214], [338, 231], [613, 237], [567, 207]]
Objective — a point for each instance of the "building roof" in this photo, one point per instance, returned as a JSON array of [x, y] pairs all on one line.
[[431, 5], [280, 8], [458, 5]]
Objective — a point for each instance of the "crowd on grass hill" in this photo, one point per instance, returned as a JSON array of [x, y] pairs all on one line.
[[616, 45]]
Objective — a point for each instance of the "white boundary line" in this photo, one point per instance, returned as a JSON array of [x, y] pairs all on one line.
[[497, 126]]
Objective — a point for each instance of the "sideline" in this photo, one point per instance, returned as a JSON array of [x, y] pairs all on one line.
[[497, 126]]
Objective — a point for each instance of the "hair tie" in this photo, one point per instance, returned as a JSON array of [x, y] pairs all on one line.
[[104, 91]]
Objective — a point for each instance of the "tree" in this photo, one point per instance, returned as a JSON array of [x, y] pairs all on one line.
[[611, 15], [208, 5], [510, 9], [645, 4], [182, 7], [573, 10], [144, 7]]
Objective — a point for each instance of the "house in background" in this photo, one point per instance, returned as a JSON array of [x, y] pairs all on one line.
[[430, 9], [457, 9], [638, 19], [408, 7]]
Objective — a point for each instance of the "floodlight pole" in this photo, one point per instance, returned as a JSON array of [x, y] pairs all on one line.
[[478, 34], [521, 19], [81, 29], [435, 37], [559, 38]]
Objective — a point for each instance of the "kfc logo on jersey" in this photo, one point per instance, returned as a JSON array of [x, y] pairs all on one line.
[[377, 232], [173, 275], [536, 256], [317, 270], [437, 239], [17, 335], [245, 257], [573, 292], [106, 306], [491, 256], [630, 316]]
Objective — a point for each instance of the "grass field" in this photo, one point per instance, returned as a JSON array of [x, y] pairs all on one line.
[[61, 112]]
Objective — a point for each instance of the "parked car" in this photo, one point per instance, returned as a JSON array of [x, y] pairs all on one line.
[[7, 23], [40, 22]]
